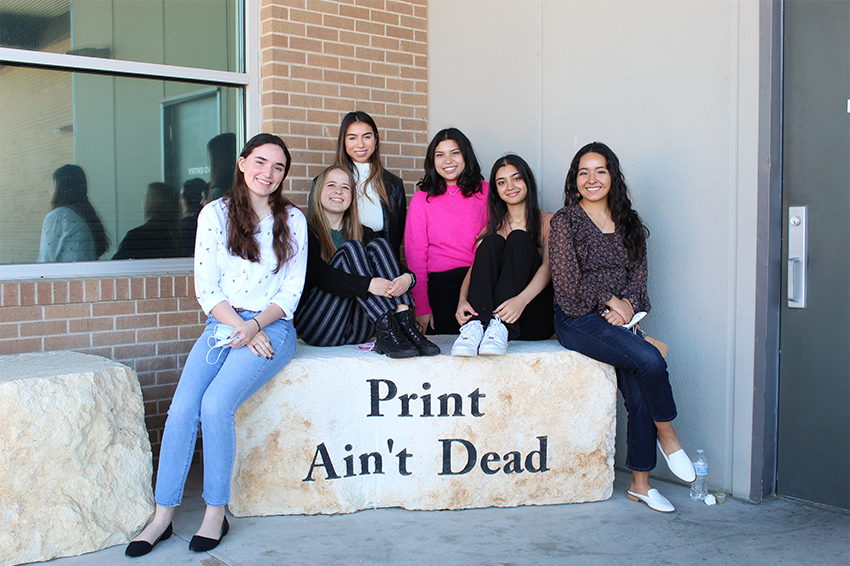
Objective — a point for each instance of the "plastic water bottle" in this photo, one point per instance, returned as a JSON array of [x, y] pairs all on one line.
[[699, 489]]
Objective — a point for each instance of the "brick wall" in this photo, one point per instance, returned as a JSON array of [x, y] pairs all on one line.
[[322, 59], [149, 324]]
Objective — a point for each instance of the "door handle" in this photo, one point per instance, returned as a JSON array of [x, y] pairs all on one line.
[[793, 279], [798, 242]]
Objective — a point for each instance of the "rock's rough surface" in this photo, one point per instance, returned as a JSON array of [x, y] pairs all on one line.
[[76, 472], [319, 418]]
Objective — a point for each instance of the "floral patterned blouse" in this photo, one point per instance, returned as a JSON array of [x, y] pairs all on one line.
[[588, 269]]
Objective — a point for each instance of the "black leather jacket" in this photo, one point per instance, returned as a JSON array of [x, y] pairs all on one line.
[[394, 216]]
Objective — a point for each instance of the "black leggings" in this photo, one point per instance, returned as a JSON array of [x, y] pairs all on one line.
[[443, 294], [501, 270]]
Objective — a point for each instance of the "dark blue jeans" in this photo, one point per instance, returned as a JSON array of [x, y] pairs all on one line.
[[641, 377]]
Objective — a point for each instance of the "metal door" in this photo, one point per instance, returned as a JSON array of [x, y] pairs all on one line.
[[814, 377]]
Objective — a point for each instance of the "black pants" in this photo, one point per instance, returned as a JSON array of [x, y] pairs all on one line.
[[443, 294], [501, 270]]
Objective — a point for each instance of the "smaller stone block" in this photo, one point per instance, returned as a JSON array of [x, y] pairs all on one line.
[[76, 473], [341, 429]]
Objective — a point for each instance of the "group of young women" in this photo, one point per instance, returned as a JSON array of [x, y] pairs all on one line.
[[483, 260]]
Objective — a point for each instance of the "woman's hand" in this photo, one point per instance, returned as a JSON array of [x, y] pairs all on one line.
[[244, 332], [261, 345], [464, 311], [620, 312], [401, 284], [380, 287], [511, 310], [425, 320]]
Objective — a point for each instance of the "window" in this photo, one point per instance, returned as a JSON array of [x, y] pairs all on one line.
[[141, 103]]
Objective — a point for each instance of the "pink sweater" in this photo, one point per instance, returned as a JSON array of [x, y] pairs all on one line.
[[440, 235]]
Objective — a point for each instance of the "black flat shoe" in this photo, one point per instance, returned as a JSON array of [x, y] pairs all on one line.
[[142, 547], [204, 544]]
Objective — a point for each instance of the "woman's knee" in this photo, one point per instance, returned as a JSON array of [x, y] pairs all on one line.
[[216, 408], [520, 238], [651, 362], [380, 245], [492, 242], [351, 249]]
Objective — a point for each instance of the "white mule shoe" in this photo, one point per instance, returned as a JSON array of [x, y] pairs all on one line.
[[653, 500], [679, 464]]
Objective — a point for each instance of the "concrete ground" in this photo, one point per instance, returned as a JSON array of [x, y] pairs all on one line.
[[617, 531]]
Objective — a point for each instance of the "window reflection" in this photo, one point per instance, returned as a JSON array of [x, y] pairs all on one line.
[[128, 138], [191, 33]]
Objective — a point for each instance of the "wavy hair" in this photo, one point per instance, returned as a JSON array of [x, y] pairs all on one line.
[[627, 221], [470, 179], [243, 221], [498, 209], [376, 169], [71, 190], [318, 221]]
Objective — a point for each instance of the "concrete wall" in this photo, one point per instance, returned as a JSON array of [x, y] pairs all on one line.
[[672, 87]]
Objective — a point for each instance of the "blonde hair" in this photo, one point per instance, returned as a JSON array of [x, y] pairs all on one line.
[[318, 221]]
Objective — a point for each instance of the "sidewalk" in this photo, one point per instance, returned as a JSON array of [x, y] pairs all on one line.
[[617, 531]]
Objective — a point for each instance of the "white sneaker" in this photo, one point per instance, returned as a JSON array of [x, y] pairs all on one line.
[[495, 341], [469, 339]]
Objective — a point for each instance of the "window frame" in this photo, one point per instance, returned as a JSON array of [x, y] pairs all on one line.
[[248, 81]]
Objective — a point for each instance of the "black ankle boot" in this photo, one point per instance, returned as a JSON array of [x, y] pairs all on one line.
[[391, 340], [413, 332]]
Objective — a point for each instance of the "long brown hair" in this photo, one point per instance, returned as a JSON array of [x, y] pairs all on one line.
[[243, 221], [376, 169], [628, 222], [71, 190], [318, 221]]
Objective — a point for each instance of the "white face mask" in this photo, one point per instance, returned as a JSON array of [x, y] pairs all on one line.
[[220, 339]]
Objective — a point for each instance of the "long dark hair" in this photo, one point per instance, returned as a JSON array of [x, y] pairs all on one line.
[[470, 179], [222, 153], [71, 190], [162, 210], [498, 209], [318, 221], [243, 222], [376, 171], [627, 221]]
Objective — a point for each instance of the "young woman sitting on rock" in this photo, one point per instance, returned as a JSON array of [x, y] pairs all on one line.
[[507, 293], [354, 285]]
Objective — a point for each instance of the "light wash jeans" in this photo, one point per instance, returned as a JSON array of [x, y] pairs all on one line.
[[211, 394]]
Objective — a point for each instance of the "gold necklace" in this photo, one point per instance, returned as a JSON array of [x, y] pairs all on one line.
[[604, 224]]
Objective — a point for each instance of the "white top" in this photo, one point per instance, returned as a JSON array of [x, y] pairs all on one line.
[[65, 236], [369, 209], [220, 276]]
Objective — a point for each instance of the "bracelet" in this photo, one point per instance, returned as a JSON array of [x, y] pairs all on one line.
[[412, 279], [258, 324]]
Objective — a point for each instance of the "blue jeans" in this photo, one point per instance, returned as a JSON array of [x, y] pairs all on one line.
[[641, 377], [211, 394]]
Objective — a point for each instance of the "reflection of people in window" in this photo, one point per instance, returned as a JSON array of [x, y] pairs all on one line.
[[160, 235], [191, 197], [72, 230], [222, 152]]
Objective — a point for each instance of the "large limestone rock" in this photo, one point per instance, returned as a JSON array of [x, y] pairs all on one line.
[[76, 471], [533, 427]]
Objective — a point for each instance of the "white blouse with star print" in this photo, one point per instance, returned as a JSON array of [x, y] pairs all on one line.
[[220, 276]]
